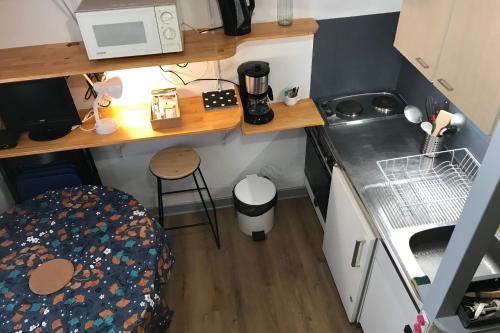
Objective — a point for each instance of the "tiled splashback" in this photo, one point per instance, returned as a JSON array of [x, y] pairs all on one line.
[[356, 54]]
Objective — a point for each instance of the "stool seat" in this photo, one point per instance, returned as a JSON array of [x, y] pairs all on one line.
[[174, 163]]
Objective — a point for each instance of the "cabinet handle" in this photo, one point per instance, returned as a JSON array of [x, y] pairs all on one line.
[[422, 62], [354, 260], [445, 84]]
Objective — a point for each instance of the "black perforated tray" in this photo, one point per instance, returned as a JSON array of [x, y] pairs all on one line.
[[216, 100]]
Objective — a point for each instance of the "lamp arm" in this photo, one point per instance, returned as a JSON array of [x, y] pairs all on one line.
[[96, 108]]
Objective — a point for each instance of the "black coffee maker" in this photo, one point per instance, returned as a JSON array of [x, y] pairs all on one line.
[[236, 16], [255, 92]]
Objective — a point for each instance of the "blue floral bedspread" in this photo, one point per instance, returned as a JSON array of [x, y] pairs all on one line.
[[120, 254]]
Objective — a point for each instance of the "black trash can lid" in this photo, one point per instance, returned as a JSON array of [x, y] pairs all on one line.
[[255, 190]]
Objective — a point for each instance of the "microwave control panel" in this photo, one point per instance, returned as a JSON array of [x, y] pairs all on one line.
[[169, 29]]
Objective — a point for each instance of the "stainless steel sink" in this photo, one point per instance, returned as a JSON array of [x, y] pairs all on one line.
[[428, 247]]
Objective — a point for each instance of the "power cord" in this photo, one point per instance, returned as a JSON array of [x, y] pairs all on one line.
[[196, 80], [70, 11], [174, 73], [220, 80], [210, 29]]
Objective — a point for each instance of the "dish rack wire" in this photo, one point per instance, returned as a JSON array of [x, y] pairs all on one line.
[[430, 189]]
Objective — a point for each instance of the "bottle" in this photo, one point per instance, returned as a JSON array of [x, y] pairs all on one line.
[[285, 12]]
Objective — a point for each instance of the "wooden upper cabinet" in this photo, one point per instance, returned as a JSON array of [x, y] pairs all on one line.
[[421, 32], [468, 71]]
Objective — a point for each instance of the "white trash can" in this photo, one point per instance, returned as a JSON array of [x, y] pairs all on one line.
[[254, 200]]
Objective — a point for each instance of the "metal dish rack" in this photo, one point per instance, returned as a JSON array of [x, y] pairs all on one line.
[[430, 190]]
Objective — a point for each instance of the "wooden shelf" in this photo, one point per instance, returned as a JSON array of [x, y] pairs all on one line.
[[134, 125], [55, 60], [303, 114]]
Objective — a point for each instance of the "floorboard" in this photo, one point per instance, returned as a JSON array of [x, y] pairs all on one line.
[[280, 285]]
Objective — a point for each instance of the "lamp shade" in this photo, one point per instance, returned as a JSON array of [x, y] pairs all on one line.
[[112, 87]]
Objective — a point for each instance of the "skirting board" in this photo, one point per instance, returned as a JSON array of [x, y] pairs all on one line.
[[297, 192]]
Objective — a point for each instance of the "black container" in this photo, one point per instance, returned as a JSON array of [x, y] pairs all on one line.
[[81, 161], [236, 16], [466, 317]]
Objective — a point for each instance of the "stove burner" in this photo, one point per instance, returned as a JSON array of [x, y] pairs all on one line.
[[349, 109], [384, 104]]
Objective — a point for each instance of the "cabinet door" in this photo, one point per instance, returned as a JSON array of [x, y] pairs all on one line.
[[348, 243], [387, 306], [469, 67], [421, 31]]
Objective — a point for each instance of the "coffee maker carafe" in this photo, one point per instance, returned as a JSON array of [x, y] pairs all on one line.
[[255, 92], [236, 16]]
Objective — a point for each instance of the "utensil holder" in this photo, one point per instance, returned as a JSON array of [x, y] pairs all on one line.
[[432, 145], [291, 101]]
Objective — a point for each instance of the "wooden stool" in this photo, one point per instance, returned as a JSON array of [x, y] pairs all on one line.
[[178, 163]]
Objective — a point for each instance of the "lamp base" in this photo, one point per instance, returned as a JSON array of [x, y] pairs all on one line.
[[106, 126]]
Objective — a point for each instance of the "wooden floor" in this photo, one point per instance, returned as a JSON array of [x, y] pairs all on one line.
[[280, 285]]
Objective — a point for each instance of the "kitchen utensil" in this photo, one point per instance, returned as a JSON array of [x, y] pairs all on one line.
[[236, 16], [484, 294], [446, 105], [429, 104], [427, 127], [448, 131], [443, 119], [413, 114], [285, 12], [255, 92], [292, 96], [458, 120], [292, 92]]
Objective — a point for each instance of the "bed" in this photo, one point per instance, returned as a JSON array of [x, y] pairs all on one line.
[[121, 258]]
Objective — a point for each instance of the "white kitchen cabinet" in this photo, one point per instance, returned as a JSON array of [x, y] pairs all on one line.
[[387, 306], [348, 243], [422, 28], [468, 72], [456, 45]]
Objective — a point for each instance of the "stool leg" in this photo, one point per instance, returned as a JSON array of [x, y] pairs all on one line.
[[215, 231], [160, 202], [212, 203]]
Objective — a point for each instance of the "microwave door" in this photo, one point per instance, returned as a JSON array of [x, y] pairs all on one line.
[[120, 33]]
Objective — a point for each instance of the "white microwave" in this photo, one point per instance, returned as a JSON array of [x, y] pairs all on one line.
[[124, 28]]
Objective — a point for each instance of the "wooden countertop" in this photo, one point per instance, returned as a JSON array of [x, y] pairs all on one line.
[[65, 59], [303, 114], [134, 125]]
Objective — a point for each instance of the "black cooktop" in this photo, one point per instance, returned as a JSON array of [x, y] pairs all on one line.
[[361, 107]]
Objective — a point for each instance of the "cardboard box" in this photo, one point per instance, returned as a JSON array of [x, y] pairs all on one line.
[[165, 110]]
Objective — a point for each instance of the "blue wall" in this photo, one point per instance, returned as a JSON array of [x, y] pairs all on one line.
[[356, 54]]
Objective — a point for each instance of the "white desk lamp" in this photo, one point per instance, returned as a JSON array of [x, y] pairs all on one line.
[[111, 88]]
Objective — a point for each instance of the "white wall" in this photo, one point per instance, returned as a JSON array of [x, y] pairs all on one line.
[[227, 157], [30, 22]]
